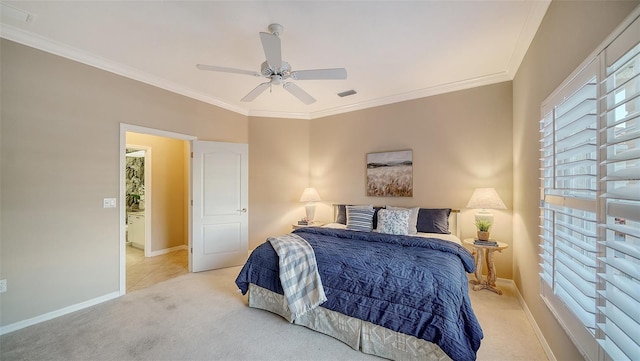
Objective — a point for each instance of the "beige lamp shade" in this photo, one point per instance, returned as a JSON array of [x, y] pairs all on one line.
[[309, 196], [485, 198]]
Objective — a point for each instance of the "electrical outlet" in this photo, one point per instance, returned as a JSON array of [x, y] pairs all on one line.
[[3, 286]]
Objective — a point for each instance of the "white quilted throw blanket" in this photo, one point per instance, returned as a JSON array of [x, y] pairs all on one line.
[[298, 274]]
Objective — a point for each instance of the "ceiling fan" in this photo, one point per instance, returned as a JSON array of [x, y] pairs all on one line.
[[277, 70]]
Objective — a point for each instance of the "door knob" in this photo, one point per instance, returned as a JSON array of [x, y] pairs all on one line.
[[243, 210]]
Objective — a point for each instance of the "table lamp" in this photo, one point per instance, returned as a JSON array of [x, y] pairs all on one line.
[[310, 196], [483, 199]]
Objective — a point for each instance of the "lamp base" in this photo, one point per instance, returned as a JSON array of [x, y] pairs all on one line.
[[484, 216], [310, 208]]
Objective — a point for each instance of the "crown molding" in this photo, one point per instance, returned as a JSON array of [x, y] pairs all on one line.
[[30, 39], [275, 114], [422, 93], [528, 32], [24, 37], [417, 94]]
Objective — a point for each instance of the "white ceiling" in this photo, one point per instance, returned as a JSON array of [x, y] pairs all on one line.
[[392, 50]]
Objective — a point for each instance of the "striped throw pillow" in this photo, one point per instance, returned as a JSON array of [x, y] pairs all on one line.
[[359, 218]]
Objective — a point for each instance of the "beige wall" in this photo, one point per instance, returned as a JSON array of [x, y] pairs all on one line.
[[278, 173], [570, 31], [169, 180], [460, 141], [60, 158]]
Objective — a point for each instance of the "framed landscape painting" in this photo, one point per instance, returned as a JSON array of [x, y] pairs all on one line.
[[390, 174]]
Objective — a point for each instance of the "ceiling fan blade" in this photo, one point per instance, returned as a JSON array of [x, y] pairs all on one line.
[[255, 92], [299, 93], [227, 70], [272, 50], [335, 73]]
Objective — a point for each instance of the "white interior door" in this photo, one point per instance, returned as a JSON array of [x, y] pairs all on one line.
[[219, 224]]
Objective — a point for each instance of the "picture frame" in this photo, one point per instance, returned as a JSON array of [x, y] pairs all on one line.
[[390, 174]]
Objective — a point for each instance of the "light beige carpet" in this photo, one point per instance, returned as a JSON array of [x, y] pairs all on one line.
[[202, 316]]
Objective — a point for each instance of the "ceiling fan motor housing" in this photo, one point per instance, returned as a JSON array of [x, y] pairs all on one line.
[[284, 71]]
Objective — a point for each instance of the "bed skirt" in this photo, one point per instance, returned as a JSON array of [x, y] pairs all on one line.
[[358, 334]]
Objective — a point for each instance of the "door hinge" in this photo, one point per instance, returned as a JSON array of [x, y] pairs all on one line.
[[192, 203], [191, 154], [191, 250]]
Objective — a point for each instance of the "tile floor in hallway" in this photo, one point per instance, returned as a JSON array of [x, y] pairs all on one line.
[[143, 272]]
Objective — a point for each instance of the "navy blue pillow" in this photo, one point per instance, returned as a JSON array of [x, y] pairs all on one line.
[[342, 214], [375, 216], [433, 220]]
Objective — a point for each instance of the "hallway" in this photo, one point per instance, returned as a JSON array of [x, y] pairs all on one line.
[[144, 272]]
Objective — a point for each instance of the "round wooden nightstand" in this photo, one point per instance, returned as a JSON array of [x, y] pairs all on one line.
[[313, 224], [485, 252]]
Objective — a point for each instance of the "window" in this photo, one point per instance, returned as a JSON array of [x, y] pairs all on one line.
[[620, 224], [569, 164], [590, 202]]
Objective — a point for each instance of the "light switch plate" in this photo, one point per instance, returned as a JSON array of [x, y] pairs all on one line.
[[109, 203]]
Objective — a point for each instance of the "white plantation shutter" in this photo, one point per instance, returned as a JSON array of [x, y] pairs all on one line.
[[569, 192], [590, 202], [619, 325]]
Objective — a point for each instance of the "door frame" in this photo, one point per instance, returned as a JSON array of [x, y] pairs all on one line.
[[147, 198], [124, 128]]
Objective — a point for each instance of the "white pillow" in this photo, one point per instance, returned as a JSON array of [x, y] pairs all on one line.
[[413, 218], [394, 221]]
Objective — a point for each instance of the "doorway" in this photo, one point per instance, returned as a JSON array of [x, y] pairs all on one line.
[[154, 214], [215, 202]]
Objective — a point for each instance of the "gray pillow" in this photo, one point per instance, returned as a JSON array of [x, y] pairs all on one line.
[[341, 217], [433, 220]]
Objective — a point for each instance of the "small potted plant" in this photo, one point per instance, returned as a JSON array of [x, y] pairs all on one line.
[[483, 229]]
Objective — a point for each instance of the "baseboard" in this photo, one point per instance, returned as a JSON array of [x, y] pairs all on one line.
[[532, 321], [167, 250], [54, 314], [79, 306]]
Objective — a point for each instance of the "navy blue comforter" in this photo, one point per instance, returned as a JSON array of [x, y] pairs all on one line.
[[412, 285]]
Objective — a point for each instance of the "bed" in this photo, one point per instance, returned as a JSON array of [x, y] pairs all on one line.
[[397, 296]]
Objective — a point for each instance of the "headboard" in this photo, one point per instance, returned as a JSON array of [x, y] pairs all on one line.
[[454, 227]]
